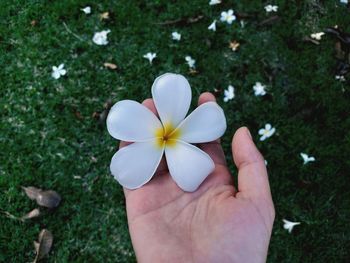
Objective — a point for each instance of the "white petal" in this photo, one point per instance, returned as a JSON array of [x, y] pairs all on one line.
[[188, 165], [135, 164], [61, 66], [56, 74], [62, 72], [172, 97], [206, 123], [261, 131], [268, 126], [272, 131], [130, 121], [263, 138]]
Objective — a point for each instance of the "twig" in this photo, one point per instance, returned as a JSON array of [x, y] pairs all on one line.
[[183, 21], [269, 20], [70, 31]]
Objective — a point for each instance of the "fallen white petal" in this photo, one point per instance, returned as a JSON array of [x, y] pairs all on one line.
[[188, 165], [172, 97], [134, 165], [131, 121], [206, 123]]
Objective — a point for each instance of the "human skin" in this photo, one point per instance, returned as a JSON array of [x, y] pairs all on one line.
[[218, 222]]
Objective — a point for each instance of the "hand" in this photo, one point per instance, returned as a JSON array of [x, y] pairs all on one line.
[[216, 223]]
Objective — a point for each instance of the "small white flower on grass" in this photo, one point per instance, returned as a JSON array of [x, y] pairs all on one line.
[[150, 56], [271, 8], [228, 16], [266, 132], [212, 26], [190, 62], [317, 36], [86, 10], [229, 93], [176, 36], [307, 158], [289, 225], [59, 71], [344, 1], [214, 2], [265, 162], [100, 38], [341, 78], [259, 89]]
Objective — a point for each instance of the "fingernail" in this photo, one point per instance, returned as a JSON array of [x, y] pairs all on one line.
[[249, 134]]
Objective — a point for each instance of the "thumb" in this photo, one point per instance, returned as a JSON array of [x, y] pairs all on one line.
[[252, 175]]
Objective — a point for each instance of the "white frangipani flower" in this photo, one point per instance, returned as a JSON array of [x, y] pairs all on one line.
[[190, 61], [214, 2], [259, 89], [307, 158], [229, 93], [344, 1], [86, 10], [228, 16], [176, 36], [59, 71], [150, 56], [317, 36], [266, 132], [289, 225], [173, 134], [271, 8], [341, 78], [212, 26], [100, 38]]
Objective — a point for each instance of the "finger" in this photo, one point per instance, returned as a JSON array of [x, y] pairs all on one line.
[[252, 175], [213, 148]]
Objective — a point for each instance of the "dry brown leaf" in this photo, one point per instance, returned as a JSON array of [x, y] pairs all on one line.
[[104, 16], [49, 199], [234, 45], [31, 191], [34, 213], [44, 244], [36, 247], [193, 71], [110, 65]]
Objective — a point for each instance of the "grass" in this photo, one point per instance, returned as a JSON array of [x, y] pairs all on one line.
[[48, 138]]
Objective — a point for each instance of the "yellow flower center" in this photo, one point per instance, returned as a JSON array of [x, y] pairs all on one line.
[[167, 135]]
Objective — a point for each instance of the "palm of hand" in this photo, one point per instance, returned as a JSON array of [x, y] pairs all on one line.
[[213, 224]]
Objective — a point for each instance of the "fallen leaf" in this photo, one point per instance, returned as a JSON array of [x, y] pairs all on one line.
[[234, 45], [193, 71], [102, 116], [49, 199], [110, 65], [104, 16], [44, 244], [32, 214], [31, 191]]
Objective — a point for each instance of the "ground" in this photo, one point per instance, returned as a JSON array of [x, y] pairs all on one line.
[[50, 139]]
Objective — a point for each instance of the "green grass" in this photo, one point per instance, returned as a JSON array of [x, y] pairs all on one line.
[[43, 143]]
